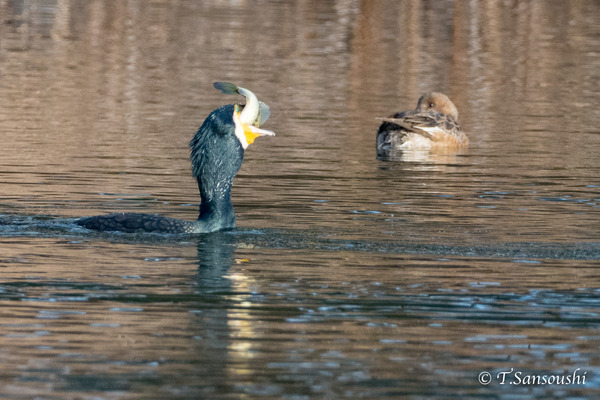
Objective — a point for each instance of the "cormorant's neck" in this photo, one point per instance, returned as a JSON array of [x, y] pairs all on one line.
[[216, 209], [216, 155]]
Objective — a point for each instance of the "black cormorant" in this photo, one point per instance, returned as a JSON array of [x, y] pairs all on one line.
[[217, 152]]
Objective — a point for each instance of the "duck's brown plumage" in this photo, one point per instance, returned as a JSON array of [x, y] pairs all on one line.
[[433, 123]]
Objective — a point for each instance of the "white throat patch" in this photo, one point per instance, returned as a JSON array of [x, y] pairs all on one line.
[[239, 130]]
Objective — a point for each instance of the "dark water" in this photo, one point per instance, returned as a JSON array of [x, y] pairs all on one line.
[[348, 277]]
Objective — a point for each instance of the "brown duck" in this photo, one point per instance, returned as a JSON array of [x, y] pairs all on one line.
[[433, 124]]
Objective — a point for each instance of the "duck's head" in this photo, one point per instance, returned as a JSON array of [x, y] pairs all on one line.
[[247, 118], [438, 102]]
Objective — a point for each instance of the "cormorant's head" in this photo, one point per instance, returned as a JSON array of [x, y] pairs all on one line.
[[217, 148]]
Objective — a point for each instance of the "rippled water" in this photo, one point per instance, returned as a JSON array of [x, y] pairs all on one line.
[[349, 276]]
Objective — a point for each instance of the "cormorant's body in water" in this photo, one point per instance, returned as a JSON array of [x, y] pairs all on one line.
[[433, 124], [217, 152]]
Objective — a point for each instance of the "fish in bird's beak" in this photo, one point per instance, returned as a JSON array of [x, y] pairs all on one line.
[[247, 121], [247, 133]]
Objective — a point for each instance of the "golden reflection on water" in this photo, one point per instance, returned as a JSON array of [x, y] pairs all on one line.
[[241, 349]]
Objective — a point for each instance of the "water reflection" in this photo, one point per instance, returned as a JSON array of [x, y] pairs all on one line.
[[219, 315], [437, 160]]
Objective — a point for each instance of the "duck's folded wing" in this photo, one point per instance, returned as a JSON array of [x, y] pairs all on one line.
[[423, 125]]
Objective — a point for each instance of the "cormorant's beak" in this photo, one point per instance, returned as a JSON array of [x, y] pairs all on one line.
[[253, 132], [247, 133]]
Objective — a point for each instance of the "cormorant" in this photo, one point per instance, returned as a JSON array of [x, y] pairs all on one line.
[[217, 152]]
